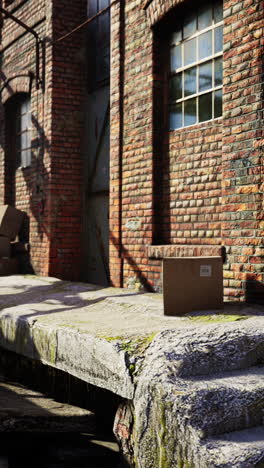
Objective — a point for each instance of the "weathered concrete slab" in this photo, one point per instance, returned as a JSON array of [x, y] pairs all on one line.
[[85, 330], [25, 410], [169, 369]]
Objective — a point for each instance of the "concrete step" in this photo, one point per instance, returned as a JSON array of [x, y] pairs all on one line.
[[222, 403], [25, 410], [240, 449], [215, 349]]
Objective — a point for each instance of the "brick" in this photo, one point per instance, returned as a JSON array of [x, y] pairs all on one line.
[[191, 190]]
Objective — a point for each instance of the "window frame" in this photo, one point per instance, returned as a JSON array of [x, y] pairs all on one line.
[[173, 72], [23, 119]]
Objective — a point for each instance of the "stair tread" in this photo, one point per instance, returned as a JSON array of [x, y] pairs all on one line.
[[243, 449], [224, 403]]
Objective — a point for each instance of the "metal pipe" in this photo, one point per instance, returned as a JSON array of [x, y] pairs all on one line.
[[37, 38], [21, 23]]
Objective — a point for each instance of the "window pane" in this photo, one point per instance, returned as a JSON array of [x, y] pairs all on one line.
[[205, 107], [218, 72], [103, 4], [176, 36], [190, 112], [218, 103], [190, 81], [218, 39], [28, 139], [24, 107], [176, 58], [205, 15], [24, 140], [176, 87], [205, 45], [25, 158], [189, 26], [92, 8], [190, 52], [218, 11], [205, 76], [176, 117]]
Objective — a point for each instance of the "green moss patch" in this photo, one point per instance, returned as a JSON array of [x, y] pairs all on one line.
[[218, 318]]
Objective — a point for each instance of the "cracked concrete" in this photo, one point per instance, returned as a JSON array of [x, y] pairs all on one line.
[[162, 366]]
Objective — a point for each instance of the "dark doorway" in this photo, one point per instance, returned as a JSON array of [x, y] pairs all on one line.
[[96, 148]]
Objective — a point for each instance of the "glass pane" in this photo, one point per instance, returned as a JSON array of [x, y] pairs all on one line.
[[189, 26], [24, 140], [218, 72], [218, 39], [25, 158], [190, 81], [28, 139], [176, 57], [205, 76], [176, 117], [91, 8], [103, 4], [176, 87], [205, 107], [176, 37], [28, 120], [205, 45], [205, 15], [190, 52], [218, 11], [24, 107], [218, 103], [190, 112]]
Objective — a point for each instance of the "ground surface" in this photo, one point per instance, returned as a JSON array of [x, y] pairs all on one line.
[[200, 372]]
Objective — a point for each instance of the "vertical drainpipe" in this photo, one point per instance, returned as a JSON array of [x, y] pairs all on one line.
[[121, 129]]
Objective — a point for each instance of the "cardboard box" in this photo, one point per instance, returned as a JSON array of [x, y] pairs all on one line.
[[4, 247], [10, 221], [8, 266], [192, 284]]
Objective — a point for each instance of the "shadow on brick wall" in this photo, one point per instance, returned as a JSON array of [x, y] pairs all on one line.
[[254, 292], [125, 255]]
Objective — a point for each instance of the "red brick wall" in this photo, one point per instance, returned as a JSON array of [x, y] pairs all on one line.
[[131, 143], [19, 59], [67, 92], [200, 187], [195, 186], [50, 190], [243, 175]]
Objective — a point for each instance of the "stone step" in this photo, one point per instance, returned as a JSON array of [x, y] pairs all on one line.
[[215, 349], [25, 410], [240, 449], [223, 403]]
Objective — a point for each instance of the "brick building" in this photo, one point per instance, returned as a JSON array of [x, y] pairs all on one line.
[[176, 114]]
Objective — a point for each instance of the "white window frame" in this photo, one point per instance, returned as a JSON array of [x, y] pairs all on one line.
[[196, 64], [23, 128]]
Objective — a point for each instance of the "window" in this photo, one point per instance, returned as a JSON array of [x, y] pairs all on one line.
[[195, 79], [23, 131], [98, 44]]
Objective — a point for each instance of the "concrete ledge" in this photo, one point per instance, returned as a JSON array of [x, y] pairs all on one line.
[[161, 251], [165, 368]]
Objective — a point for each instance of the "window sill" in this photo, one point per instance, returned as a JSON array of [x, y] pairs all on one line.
[[205, 124], [158, 252]]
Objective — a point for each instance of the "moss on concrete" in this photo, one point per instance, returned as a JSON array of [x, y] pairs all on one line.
[[217, 318], [132, 345]]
